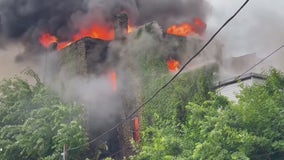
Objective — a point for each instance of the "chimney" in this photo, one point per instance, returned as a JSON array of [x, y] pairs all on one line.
[[121, 26], [52, 46]]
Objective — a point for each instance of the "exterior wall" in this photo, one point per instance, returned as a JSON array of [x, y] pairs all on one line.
[[86, 56], [121, 26], [73, 58], [231, 90]]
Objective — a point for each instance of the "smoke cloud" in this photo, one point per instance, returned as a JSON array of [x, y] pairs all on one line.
[[8, 67], [25, 20], [168, 12], [28, 18], [257, 29]]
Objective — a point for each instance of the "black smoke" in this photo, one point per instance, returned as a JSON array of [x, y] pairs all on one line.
[[25, 20], [22, 18]]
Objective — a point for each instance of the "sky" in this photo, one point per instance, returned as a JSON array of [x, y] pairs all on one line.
[[257, 29]]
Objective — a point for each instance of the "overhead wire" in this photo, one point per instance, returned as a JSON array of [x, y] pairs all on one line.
[[262, 60], [117, 152], [253, 66], [167, 83]]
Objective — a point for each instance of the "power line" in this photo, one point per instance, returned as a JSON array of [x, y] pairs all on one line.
[[100, 136], [258, 63], [118, 152], [252, 67], [188, 61], [166, 84]]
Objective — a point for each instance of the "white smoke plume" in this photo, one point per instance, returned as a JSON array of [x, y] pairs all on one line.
[[255, 32]]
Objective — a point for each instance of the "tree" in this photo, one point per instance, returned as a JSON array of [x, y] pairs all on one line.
[[165, 116], [35, 124], [218, 129]]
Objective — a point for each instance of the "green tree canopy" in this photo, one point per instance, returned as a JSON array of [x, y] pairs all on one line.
[[218, 129], [35, 124]]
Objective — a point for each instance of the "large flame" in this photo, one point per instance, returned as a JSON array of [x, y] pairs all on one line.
[[173, 65], [47, 39], [95, 31], [184, 29], [187, 29]]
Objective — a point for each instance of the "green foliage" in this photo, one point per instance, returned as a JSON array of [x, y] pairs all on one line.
[[165, 116], [214, 128], [168, 108], [35, 124], [164, 145]]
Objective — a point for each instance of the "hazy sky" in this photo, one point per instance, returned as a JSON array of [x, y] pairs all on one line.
[[258, 28], [8, 67]]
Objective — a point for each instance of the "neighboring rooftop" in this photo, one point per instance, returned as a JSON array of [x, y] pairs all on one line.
[[238, 79], [231, 87]]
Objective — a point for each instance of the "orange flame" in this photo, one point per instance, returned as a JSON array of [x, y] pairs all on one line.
[[131, 28], [200, 26], [184, 30], [136, 127], [95, 31], [187, 29], [173, 65], [62, 45], [47, 39], [113, 78]]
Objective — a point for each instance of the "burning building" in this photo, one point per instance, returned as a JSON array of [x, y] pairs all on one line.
[[100, 59], [121, 62]]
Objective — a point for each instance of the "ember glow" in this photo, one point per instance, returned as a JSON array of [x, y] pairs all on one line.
[[131, 29], [173, 65], [187, 29], [113, 79], [136, 133], [200, 26]]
